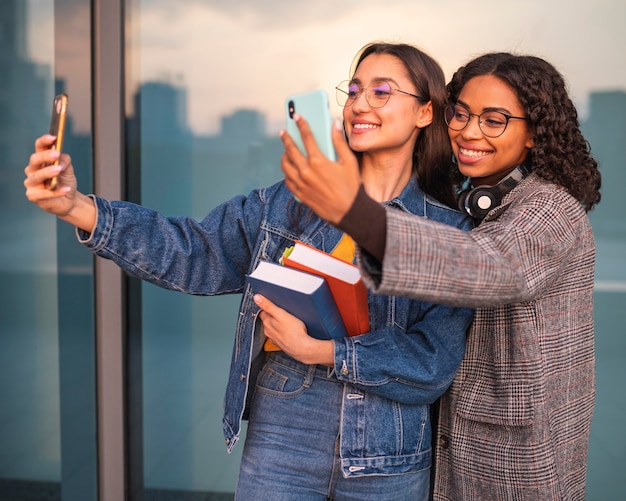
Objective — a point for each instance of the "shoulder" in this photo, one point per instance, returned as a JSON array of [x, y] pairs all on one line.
[[413, 200], [276, 193], [546, 198], [537, 206], [438, 211]]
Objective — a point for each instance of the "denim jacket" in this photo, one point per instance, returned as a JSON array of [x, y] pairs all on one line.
[[398, 369]]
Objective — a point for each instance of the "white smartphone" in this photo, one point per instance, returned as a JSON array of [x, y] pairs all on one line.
[[314, 107]]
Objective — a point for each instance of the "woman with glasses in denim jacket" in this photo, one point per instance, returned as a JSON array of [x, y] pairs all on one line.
[[343, 419], [515, 423]]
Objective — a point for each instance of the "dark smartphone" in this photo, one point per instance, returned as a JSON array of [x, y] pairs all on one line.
[[314, 107], [57, 128]]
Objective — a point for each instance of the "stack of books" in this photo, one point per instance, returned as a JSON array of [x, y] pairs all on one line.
[[323, 291]]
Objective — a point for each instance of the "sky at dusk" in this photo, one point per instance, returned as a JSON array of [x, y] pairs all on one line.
[[253, 53]]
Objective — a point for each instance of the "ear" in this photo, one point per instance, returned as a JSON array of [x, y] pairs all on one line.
[[530, 139], [530, 142], [425, 115]]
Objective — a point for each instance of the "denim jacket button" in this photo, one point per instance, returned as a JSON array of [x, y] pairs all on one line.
[[344, 368], [242, 377]]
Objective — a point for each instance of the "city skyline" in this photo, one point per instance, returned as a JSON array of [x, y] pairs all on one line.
[[253, 54]]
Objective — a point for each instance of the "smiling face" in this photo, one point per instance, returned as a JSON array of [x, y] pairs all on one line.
[[394, 127], [487, 160]]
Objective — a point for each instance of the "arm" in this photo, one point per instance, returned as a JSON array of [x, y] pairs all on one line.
[[413, 367], [204, 257], [510, 259], [207, 257]]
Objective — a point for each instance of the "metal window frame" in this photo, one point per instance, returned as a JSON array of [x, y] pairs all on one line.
[[110, 293]]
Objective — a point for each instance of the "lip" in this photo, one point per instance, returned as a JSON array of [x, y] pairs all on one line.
[[361, 127], [468, 155]]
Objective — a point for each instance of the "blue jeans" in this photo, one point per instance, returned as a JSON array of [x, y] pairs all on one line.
[[292, 443]]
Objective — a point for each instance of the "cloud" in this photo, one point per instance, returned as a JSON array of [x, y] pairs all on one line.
[[252, 53], [265, 14]]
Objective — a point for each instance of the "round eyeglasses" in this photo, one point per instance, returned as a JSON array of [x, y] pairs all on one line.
[[377, 93], [491, 123]]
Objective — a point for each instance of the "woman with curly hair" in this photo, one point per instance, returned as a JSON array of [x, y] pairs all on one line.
[[515, 423]]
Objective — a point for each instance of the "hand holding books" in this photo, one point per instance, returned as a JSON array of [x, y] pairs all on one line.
[[305, 296], [288, 332], [344, 280], [326, 293]]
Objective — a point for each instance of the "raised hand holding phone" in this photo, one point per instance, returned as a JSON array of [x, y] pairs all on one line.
[[327, 187]]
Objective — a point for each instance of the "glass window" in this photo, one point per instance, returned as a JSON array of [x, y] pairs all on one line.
[[47, 368], [205, 88]]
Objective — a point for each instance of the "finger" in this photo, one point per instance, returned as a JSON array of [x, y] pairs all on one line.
[[45, 173], [291, 162], [291, 171], [266, 305], [308, 139], [291, 149], [41, 159], [272, 310], [36, 177], [45, 142], [40, 194], [44, 159], [340, 142], [35, 183]]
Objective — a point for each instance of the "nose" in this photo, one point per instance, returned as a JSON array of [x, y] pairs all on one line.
[[472, 129], [361, 102]]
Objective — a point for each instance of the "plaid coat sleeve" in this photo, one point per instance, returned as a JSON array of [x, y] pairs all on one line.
[[514, 255]]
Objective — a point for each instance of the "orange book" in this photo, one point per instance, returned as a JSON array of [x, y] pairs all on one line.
[[344, 280]]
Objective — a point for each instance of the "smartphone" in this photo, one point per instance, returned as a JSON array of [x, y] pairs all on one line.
[[57, 128], [314, 107]]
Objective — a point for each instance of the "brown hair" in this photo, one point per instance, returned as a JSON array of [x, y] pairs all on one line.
[[432, 153]]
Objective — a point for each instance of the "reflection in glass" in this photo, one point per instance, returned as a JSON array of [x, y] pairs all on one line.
[[184, 343], [47, 386]]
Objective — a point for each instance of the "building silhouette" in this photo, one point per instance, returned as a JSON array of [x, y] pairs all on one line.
[[21, 81]]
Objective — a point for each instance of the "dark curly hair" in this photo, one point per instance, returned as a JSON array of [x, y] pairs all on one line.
[[560, 153], [432, 151]]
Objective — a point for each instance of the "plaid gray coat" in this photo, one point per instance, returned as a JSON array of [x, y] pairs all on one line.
[[515, 423]]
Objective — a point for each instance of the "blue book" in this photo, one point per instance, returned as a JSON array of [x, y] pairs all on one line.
[[304, 295]]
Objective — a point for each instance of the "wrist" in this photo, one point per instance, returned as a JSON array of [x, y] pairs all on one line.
[[82, 214], [366, 223], [321, 353]]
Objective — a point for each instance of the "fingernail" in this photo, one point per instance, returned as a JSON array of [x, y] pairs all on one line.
[[338, 124]]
